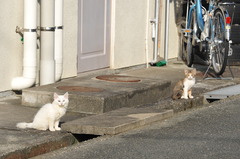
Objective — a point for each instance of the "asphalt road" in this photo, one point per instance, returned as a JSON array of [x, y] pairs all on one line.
[[211, 132]]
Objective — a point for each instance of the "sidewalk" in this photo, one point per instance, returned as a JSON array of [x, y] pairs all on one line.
[[15, 143]]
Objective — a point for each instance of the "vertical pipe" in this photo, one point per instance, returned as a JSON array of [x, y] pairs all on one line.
[[146, 38], [29, 47], [112, 43], [47, 63], [166, 30], [156, 31], [58, 55]]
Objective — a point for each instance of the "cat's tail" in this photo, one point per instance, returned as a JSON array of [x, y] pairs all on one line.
[[24, 125], [177, 95]]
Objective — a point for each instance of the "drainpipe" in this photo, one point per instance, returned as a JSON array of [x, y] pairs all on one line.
[[155, 31], [146, 35], [58, 39], [30, 47], [166, 30], [47, 62]]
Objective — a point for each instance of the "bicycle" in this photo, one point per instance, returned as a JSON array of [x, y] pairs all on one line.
[[207, 33]]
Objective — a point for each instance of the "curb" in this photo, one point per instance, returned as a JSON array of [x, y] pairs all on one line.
[[181, 104], [40, 148]]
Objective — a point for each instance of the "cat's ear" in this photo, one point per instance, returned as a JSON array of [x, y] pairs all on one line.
[[194, 71], [66, 95], [55, 95], [186, 71]]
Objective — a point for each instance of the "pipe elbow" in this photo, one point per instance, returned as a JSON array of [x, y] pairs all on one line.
[[58, 77], [58, 70], [20, 83]]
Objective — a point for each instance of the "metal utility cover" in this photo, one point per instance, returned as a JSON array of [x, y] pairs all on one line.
[[118, 78], [223, 92], [79, 89]]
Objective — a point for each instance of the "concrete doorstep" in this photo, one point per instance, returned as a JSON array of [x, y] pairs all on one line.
[[93, 96]]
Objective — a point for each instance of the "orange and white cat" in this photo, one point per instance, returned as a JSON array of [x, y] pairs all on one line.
[[183, 89]]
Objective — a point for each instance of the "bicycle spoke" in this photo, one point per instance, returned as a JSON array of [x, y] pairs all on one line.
[[220, 45]]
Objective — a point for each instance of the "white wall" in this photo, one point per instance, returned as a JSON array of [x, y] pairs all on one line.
[[129, 45], [70, 24], [10, 45], [130, 33]]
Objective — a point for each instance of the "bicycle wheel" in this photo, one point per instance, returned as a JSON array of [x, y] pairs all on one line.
[[189, 48], [221, 45]]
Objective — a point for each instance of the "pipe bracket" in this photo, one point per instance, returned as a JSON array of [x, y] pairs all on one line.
[[58, 27], [153, 21], [47, 28], [20, 30], [29, 30]]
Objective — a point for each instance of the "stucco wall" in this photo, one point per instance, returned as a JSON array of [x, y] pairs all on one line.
[[70, 23], [11, 47], [131, 17], [130, 33], [10, 44]]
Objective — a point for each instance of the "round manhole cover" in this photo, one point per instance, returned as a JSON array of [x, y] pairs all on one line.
[[118, 78], [79, 89]]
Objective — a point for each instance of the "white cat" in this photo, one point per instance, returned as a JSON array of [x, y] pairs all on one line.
[[49, 115]]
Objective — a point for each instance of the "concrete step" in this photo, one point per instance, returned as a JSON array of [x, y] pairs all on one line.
[[117, 121], [30, 143], [91, 95]]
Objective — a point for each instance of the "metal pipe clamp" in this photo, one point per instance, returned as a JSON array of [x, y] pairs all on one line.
[[47, 28], [29, 30], [58, 27]]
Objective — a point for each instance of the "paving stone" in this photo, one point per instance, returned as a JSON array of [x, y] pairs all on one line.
[[116, 121]]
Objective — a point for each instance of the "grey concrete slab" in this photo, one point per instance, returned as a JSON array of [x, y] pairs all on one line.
[[116, 121], [223, 92], [26, 144], [114, 95], [174, 71]]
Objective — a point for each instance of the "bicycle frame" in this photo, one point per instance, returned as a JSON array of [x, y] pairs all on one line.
[[207, 34], [197, 9]]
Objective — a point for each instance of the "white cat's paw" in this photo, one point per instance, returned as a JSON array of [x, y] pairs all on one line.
[[184, 97], [58, 128], [191, 97], [51, 129]]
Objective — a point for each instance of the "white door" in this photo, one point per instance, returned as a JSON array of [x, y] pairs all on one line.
[[93, 34]]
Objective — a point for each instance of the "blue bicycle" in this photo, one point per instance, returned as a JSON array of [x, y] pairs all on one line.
[[207, 33]]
